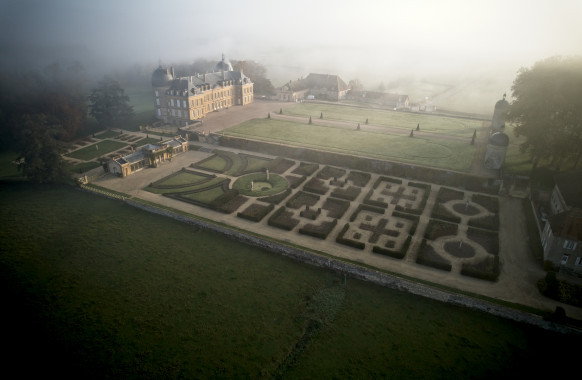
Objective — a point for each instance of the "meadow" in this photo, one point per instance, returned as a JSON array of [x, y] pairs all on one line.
[[94, 288]]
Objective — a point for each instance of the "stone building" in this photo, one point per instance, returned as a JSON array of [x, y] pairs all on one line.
[[499, 113], [562, 232], [496, 151], [183, 100], [314, 86], [149, 155]]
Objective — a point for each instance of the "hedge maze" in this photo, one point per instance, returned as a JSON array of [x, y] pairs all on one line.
[[367, 214]]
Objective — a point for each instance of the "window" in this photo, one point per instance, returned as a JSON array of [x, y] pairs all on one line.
[[579, 261], [184, 104], [564, 259], [158, 101], [570, 244], [157, 93]]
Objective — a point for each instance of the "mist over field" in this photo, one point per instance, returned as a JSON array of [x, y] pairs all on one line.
[[462, 55]]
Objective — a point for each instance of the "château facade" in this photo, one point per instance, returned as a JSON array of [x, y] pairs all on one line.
[[184, 100]]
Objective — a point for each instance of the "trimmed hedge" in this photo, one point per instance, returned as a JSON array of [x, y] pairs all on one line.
[[346, 241], [386, 179], [255, 212], [302, 199], [336, 207], [359, 179], [440, 212], [427, 256], [437, 228], [283, 219], [277, 198], [485, 238], [395, 254], [319, 231], [371, 202], [415, 219], [363, 207], [350, 193], [316, 185], [330, 172], [306, 168], [486, 269]]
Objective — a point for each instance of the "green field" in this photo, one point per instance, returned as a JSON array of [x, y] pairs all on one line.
[[392, 119], [94, 288], [442, 153], [97, 150]]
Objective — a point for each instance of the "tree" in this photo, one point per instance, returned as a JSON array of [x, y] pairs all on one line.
[[109, 104], [40, 159], [356, 85], [547, 109], [257, 74]]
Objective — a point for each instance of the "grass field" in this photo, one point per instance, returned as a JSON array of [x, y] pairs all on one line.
[[94, 288], [97, 150], [403, 120], [450, 154]]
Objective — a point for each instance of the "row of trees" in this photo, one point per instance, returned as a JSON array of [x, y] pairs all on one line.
[[42, 111]]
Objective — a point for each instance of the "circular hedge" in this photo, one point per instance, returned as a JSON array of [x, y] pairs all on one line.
[[276, 184]]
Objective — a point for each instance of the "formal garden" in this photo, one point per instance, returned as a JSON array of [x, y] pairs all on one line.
[[365, 213]]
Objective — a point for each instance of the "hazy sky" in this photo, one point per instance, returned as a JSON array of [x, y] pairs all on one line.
[[364, 38]]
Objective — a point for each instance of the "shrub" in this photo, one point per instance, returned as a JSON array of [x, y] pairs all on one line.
[[428, 256], [306, 168], [255, 212], [295, 181], [445, 194], [283, 219], [437, 228], [490, 203], [335, 207], [277, 198], [486, 269], [316, 185], [330, 172], [351, 193], [372, 202], [440, 212], [319, 231], [366, 208], [392, 253], [487, 239], [301, 199], [386, 179], [349, 242], [359, 179], [490, 222], [280, 165]]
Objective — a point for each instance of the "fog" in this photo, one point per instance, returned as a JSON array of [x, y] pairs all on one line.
[[461, 54]]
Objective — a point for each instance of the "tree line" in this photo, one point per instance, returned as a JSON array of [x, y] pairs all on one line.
[[41, 112]]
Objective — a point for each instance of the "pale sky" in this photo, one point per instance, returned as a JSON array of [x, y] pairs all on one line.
[[354, 38]]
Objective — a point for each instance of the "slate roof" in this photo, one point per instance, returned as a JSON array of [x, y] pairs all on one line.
[[314, 81], [567, 224]]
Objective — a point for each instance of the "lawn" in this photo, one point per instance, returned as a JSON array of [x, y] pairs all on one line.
[[393, 119], [104, 290], [442, 153], [97, 150]]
